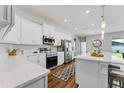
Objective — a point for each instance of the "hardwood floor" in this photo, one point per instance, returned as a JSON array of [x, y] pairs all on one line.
[[54, 82]]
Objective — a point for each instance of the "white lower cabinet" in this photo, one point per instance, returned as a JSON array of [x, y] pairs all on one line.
[[91, 74], [60, 58], [42, 60], [40, 83], [87, 74], [39, 59], [103, 76]]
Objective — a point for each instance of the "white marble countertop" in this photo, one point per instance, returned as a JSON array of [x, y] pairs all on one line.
[[16, 71], [108, 58]]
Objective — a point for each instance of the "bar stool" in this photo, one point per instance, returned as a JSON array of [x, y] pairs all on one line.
[[115, 74]]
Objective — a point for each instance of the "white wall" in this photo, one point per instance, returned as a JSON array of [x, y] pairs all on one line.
[[107, 42]]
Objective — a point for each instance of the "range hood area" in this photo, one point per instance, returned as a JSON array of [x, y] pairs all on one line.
[[6, 19]]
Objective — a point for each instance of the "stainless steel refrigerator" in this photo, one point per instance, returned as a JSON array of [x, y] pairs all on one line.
[[67, 51]]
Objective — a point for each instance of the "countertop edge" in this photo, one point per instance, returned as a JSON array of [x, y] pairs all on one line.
[[100, 60], [32, 80]]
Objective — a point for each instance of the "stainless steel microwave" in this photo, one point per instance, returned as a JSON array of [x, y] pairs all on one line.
[[48, 40]]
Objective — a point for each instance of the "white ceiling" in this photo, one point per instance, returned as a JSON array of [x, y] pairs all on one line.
[[114, 17]]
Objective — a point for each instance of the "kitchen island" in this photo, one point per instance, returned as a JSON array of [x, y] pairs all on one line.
[[18, 72], [92, 72]]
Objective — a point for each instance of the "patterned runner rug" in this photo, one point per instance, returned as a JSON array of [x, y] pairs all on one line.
[[65, 73]]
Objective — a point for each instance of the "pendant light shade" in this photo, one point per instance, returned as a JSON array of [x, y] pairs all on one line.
[[102, 34], [103, 24]]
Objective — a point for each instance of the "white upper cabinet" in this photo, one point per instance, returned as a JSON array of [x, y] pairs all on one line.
[[31, 32], [24, 32], [26, 29], [48, 30], [6, 14], [6, 20], [57, 38], [37, 34], [28, 32], [51, 32], [15, 34]]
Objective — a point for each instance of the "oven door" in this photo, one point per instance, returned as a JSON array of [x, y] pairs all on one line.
[[51, 61]]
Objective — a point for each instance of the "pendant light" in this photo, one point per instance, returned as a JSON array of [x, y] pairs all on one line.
[[103, 23], [102, 34]]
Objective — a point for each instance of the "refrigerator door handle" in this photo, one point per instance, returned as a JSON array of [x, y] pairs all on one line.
[[67, 49]]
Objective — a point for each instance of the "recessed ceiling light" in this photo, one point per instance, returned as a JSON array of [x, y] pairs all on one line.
[[87, 11], [65, 20], [76, 28], [92, 24]]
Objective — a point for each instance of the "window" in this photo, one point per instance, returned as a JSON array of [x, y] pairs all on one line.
[[118, 48]]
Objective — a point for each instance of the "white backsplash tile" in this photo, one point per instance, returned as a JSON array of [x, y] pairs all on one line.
[[5, 48]]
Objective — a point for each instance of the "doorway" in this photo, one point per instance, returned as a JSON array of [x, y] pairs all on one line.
[[83, 47]]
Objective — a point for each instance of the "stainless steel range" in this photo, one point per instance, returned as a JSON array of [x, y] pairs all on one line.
[[51, 57]]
